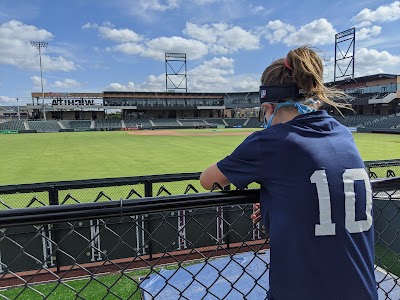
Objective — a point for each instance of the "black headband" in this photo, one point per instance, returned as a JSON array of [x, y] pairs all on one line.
[[276, 93]]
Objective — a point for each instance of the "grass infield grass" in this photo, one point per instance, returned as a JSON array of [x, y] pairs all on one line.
[[31, 158]]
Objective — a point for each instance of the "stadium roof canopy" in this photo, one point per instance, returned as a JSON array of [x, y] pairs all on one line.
[[362, 79]]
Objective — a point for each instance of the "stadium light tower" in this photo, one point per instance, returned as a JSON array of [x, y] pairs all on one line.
[[39, 45]]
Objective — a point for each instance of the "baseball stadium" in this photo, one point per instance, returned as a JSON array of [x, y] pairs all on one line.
[[110, 205]]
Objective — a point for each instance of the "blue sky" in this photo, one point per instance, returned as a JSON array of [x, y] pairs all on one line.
[[104, 45]]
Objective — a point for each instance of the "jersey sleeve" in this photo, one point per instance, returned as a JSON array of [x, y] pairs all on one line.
[[244, 165]]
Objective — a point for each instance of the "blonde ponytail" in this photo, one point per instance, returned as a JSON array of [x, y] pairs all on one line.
[[303, 67]]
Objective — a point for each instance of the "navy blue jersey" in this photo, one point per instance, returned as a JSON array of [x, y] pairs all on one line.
[[316, 200]]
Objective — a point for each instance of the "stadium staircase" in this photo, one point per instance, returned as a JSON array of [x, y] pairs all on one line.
[[383, 98], [61, 125]]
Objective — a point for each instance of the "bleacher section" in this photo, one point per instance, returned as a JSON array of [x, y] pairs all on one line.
[[165, 123], [215, 122], [233, 122], [254, 123], [134, 123], [391, 122], [196, 123], [44, 126], [12, 125], [76, 124], [357, 121], [367, 122], [108, 124]]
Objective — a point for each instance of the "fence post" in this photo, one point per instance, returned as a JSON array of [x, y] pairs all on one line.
[[148, 192], [225, 213], [53, 200], [148, 188]]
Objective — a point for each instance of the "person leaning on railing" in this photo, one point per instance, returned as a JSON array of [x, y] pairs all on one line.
[[315, 195]]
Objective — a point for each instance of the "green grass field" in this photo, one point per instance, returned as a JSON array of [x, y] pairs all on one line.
[[30, 158]]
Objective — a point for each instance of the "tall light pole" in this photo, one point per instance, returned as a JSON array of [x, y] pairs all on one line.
[[19, 116], [39, 45]]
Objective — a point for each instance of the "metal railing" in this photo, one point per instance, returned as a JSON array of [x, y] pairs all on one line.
[[171, 247]]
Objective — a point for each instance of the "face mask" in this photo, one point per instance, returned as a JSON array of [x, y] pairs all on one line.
[[301, 108]]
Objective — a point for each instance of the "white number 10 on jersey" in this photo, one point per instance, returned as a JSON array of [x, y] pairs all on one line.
[[325, 226]]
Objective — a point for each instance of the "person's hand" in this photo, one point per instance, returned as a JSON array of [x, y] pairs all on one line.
[[256, 216]]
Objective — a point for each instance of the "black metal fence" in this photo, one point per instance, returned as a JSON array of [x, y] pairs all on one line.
[[383, 168], [108, 189], [166, 238]]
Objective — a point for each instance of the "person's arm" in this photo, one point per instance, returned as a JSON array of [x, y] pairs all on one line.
[[213, 175], [256, 215]]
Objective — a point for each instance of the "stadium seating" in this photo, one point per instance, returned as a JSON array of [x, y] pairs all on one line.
[[391, 122], [358, 120], [193, 123], [254, 123], [12, 125], [44, 126], [76, 124], [232, 122], [108, 124], [216, 122], [133, 123], [165, 123]]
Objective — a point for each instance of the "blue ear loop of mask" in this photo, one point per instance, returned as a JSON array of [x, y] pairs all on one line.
[[301, 108]]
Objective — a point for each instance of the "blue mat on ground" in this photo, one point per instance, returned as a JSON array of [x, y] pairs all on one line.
[[238, 277]]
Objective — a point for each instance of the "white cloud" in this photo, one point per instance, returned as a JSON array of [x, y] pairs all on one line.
[[366, 33], [366, 62], [159, 46], [363, 24], [211, 75], [37, 82], [120, 87], [57, 64], [66, 84], [203, 2], [318, 32], [277, 31], [384, 13], [205, 33], [128, 48], [219, 62], [222, 38], [107, 31], [15, 48], [154, 83], [7, 101], [371, 61], [158, 5], [246, 84], [257, 9], [217, 38], [19, 31], [238, 38]]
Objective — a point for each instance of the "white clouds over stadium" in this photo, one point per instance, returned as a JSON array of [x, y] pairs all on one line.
[[121, 45]]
